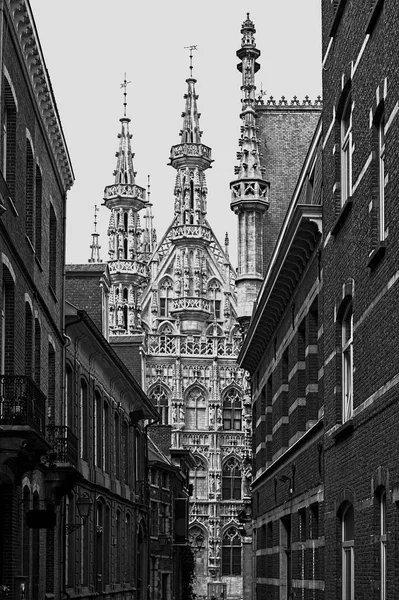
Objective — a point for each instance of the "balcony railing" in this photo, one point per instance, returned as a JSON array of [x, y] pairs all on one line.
[[64, 444], [22, 403]]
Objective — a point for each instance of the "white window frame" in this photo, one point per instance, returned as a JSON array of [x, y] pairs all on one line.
[[381, 176], [347, 363], [346, 151], [348, 561], [383, 544]]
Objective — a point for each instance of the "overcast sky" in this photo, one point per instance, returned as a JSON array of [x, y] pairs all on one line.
[[88, 45]]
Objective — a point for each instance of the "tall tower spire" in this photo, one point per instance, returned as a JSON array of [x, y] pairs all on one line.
[[190, 158], [95, 247], [127, 257], [249, 192]]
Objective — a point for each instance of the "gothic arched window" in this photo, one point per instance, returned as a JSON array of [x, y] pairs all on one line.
[[165, 297], [215, 301], [231, 552], [159, 398], [232, 410], [198, 479], [195, 409], [231, 480]]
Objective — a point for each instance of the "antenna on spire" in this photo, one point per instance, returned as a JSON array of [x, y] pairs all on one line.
[[191, 48], [124, 86]]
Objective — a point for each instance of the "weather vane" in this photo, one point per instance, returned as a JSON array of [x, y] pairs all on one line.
[[96, 210], [191, 48], [124, 86]]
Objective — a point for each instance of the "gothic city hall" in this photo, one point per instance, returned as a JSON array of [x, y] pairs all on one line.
[[191, 410]]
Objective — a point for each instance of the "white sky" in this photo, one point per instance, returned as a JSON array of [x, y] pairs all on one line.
[[89, 44]]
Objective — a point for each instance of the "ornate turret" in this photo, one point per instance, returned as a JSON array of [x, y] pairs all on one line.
[[249, 192], [190, 158], [128, 250]]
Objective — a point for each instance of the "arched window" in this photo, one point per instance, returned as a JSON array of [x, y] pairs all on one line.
[[38, 210], [106, 438], [165, 298], [195, 409], [29, 192], [231, 480], [28, 339], [198, 479], [232, 410], [346, 150], [348, 536], [84, 419], [382, 508], [159, 398], [118, 527], [38, 352], [7, 323], [117, 446], [98, 429], [215, 302], [52, 251], [231, 552], [9, 137], [347, 362]]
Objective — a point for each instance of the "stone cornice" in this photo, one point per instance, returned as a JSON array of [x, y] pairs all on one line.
[[25, 29]]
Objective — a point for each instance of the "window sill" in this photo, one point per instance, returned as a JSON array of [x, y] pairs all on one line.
[[345, 210], [29, 243], [39, 264], [343, 431], [377, 255], [373, 18]]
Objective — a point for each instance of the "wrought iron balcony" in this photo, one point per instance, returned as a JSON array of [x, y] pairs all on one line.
[[22, 403], [64, 444]]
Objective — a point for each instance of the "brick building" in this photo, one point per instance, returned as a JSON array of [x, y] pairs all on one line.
[[35, 174], [360, 297], [106, 410], [321, 347]]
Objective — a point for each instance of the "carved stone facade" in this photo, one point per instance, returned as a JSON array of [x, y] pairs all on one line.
[[183, 300]]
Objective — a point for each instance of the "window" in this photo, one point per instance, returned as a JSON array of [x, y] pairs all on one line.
[[198, 480], [53, 250], [98, 429], [348, 530], [165, 298], [215, 302], [51, 383], [38, 211], [381, 175], [84, 420], [347, 363], [383, 543], [232, 410], [38, 345], [28, 339], [154, 519], [9, 137], [231, 553], [231, 480], [7, 323], [117, 446], [195, 410], [346, 151], [159, 398], [29, 192]]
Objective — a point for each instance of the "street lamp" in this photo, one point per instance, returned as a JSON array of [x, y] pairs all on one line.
[[83, 504], [197, 543]]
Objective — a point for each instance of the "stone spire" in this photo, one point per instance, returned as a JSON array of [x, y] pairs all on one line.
[[127, 253], [249, 192], [95, 247], [190, 158]]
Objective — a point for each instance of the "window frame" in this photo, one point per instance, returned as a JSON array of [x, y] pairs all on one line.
[[348, 555], [346, 150], [347, 362]]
